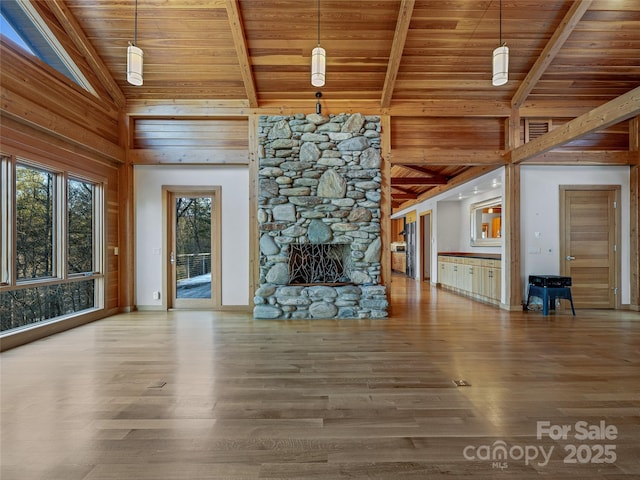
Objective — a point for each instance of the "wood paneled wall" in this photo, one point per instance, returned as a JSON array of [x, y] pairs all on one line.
[[210, 140], [47, 118], [46, 100], [478, 133]]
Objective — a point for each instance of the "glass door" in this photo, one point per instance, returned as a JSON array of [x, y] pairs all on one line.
[[194, 282]]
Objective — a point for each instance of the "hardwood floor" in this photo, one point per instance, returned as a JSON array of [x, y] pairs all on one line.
[[204, 395]]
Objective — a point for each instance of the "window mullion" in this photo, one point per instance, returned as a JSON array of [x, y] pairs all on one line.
[[60, 227], [7, 225]]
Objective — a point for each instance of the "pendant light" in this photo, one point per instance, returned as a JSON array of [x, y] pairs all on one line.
[[318, 60], [134, 55], [500, 60]]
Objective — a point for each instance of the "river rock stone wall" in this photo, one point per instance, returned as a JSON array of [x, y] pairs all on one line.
[[319, 182]]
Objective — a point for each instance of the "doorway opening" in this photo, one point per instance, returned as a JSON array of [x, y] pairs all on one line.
[[590, 243], [193, 279]]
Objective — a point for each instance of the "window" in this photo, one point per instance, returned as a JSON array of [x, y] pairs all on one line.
[[34, 223], [80, 227], [23, 25], [52, 251]]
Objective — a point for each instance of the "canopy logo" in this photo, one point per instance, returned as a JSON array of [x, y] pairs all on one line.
[[499, 454], [588, 451]]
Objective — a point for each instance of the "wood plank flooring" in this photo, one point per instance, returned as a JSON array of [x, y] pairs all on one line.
[[205, 395]]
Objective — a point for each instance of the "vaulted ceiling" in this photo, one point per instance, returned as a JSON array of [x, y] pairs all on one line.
[[408, 58], [259, 51]]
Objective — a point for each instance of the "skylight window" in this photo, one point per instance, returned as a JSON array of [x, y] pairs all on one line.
[[8, 31], [22, 24]]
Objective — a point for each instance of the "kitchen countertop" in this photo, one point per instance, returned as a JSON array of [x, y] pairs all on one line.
[[485, 256]]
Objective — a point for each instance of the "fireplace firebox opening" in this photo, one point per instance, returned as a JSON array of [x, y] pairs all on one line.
[[319, 264]]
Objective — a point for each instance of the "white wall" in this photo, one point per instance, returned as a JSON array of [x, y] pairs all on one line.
[[540, 210], [234, 182]]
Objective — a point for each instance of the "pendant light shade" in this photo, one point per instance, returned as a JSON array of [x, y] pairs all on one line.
[[500, 60], [134, 55], [500, 66], [318, 66], [134, 65], [318, 60]]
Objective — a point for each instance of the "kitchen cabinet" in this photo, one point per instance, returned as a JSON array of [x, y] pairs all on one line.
[[472, 276], [398, 262]]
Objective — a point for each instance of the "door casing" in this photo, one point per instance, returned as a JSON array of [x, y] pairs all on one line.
[[169, 194]]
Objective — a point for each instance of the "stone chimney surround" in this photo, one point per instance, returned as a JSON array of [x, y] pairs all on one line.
[[319, 185]]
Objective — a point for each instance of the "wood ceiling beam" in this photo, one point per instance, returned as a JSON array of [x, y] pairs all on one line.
[[397, 47], [565, 28], [84, 46], [449, 108], [399, 193], [423, 170], [464, 177], [403, 196], [439, 156], [395, 181], [606, 158], [240, 42], [617, 110]]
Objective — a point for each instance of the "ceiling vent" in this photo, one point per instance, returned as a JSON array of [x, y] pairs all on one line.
[[535, 128]]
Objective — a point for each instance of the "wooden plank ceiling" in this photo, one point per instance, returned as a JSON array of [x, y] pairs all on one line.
[[412, 59]]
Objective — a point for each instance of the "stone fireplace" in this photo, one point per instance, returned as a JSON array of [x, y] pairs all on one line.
[[319, 217]]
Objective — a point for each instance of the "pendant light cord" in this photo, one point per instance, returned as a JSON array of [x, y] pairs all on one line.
[[135, 24], [500, 21], [318, 22]]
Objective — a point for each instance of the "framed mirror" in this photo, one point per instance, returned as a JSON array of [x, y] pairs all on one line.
[[486, 223]]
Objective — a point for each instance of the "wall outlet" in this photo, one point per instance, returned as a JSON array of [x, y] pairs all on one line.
[[156, 295]]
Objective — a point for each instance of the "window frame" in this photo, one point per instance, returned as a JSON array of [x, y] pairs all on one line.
[[61, 275], [55, 218]]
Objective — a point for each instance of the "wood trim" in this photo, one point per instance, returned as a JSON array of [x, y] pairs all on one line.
[[385, 201], [604, 158], [513, 130], [634, 213], [513, 240], [634, 227], [127, 229], [240, 43], [433, 108], [449, 108], [254, 232], [187, 108], [440, 156], [617, 110], [422, 223], [634, 136], [399, 39], [555, 43], [190, 156], [418, 181]]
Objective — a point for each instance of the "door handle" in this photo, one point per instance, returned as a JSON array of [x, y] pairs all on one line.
[[172, 258], [569, 257]]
